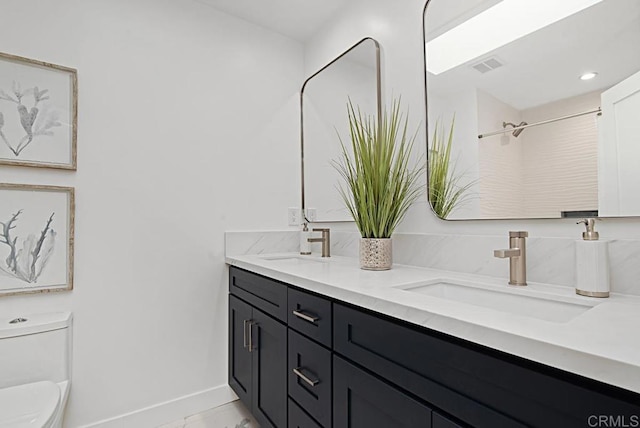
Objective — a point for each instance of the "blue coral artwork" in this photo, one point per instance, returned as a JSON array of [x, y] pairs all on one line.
[[38, 113]]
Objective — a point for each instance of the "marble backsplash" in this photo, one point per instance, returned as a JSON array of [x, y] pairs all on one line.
[[549, 260]]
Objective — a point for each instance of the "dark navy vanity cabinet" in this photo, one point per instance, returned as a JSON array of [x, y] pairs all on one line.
[[363, 400], [300, 360], [258, 347]]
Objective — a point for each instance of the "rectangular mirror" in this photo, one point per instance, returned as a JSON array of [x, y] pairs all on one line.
[[354, 75], [543, 98]]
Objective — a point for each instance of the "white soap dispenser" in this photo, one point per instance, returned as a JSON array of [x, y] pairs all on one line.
[[305, 245], [592, 263]]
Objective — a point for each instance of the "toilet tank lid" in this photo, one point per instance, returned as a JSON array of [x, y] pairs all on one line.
[[35, 323]]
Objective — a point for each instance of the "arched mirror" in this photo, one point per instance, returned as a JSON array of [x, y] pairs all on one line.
[[355, 76], [541, 99]]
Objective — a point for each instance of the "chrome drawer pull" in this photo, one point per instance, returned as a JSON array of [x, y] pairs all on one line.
[[244, 341], [311, 382], [305, 317], [251, 324]]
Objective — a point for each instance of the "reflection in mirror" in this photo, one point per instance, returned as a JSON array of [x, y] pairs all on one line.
[[353, 75], [546, 99]]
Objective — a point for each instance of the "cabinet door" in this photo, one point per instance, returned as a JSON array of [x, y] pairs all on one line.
[[361, 400], [439, 421], [298, 418], [618, 166], [239, 356], [269, 386]]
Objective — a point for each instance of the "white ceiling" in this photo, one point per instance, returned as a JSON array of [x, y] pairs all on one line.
[[545, 66], [298, 19], [539, 69]]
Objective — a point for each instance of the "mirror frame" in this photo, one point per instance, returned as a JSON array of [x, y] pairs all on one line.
[[378, 113], [427, 129]]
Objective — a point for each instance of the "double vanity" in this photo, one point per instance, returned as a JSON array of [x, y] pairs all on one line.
[[318, 342]]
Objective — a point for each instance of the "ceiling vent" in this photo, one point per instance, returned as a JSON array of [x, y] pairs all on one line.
[[487, 65]]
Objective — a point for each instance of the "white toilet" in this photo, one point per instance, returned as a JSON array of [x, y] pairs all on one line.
[[35, 370]]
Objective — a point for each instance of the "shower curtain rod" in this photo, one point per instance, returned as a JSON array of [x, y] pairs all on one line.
[[504, 131]]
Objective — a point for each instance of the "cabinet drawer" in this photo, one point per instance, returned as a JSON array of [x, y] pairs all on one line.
[[409, 358], [479, 386], [298, 418], [266, 294], [309, 377], [310, 315]]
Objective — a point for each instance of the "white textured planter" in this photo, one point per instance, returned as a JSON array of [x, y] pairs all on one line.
[[376, 253]]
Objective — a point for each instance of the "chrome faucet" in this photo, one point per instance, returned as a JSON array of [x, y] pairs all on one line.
[[517, 255], [325, 239]]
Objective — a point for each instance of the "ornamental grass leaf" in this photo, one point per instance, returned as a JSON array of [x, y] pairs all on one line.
[[380, 181]]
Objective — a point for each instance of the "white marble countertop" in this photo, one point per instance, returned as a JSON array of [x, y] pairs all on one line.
[[601, 343]]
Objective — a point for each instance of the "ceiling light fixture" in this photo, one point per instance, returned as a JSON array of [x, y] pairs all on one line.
[[588, 76], [497, 26]]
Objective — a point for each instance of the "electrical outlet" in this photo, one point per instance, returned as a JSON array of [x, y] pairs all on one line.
[[294, 216], [310, 214]]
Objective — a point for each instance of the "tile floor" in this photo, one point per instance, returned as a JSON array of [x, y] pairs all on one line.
[[232, 415]]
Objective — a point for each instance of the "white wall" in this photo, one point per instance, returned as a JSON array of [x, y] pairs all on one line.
[[188, 126], [400, 33], [398, 28]]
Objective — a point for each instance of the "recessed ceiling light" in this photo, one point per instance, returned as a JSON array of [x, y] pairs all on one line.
[[497, 26], [588, 76]]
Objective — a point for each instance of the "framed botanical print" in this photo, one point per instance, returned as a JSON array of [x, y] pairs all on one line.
[[38, 113], [36, 238]]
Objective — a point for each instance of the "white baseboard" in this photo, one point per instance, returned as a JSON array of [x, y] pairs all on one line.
[[169, 411]]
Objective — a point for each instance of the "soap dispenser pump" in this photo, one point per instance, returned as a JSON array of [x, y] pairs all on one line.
[[592, 262], [305, 245]]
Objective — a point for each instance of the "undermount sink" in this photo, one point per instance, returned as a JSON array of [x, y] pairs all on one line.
[[510, 300], [294, 259]]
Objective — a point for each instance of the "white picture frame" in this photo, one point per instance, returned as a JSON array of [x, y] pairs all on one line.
[[38, 113], [36, 238]]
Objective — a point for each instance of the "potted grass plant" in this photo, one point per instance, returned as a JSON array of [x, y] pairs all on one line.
[[445, 191], [380, 180]]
